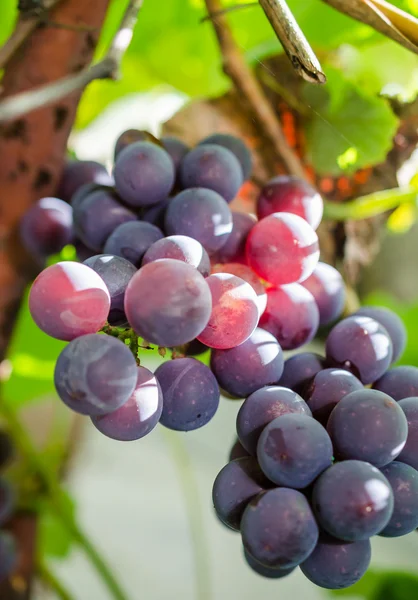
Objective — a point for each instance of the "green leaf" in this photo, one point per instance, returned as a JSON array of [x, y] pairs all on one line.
[[8, 18], [382, 585], [347, 123], [54, 539]]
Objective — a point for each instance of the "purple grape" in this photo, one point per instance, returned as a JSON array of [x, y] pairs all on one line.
[[391, 322], [176, 148], [242, 370], [293, 450], [69, 299], [300, 369], [79, 172], [131, 136], [168, 302], [201, 214], [409, 454], [261, 408], [291, 315], [8, 555], [368, 425], [82, 251], [352, 500], [156, 214], [278, 528], [399, 382], [235, 485], [7, 500], [360, 345], [132, 240], [234, 145], [87, 189], [234, 248], [144, 174], [237, 451], [47, 227], [180, 247], [116, 272], [95, 374], [97, 216], [335, 564], [268, 572], [140, 413], [213, 167], [196, 348], [327, 287], [6, 449], [326, 389], [404, 482], [190, 394]]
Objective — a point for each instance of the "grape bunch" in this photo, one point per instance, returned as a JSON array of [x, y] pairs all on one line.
[[8, 547]]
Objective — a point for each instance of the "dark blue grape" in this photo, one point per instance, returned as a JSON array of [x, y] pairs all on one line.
[[139, 415], [293, 450], [404, 482], [131, 136], [97, 216], [132, 240], [391, 322], [144, 174], [268, 572], [368, 425], [213, 167], [190, 394], [235, 485], [116, 272], [399, 382], [168, 302], [176, 148], [234, 145], [278, 528], [360, 345], [300, 369], [8, 555], [6, 449], [7, 500], [234, 249], [201, 214], [352, 500], [95, 374], [335, 564], [326, 389], [87, 189], [237, 451], [409, 454], [179, 247], [47, 227], [327, 287], [156, 214], [262, 407], [79, 172], [242, 370]]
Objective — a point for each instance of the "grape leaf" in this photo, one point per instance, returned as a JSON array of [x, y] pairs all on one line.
[[54, 539]]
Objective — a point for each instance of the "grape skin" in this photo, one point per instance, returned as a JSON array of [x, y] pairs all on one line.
[[235, 485], [190, 394], [300, 369], [278, 528], [116, 272], [282, 248], [168, 302], [144, 174], [201, 214], [156, 214], [293, 450], [47, 227], [179, 247], [233, 251], [245, 273], [368, 425], [335, 565], [291, 316], [132, 136], [69, 299], [87, 189], [409, 454], [77, 173], [293, 195], [176, 148], [391, 322], [236, 146], [352, 500], [404, 482], [261, 408], [399, 382], [132, 240], [234, 315], [327, 287], [327, 388], [242, 370], [237, 451], [8, 555], [140, 413], [213, 167], [95, 374], [360, 345], [268, 572]]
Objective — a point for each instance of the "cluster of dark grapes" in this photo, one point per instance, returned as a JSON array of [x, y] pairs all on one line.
[[8, 548], [166, 261]]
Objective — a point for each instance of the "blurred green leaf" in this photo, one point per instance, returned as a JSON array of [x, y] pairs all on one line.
[[383, 585], [8, 18], [54, 539]]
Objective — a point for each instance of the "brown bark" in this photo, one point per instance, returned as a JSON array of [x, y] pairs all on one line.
[[32, 152]]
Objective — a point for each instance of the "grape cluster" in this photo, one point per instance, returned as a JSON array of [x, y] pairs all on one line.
[[8, 547]]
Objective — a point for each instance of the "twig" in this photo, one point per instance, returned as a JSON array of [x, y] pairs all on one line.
[[250, 89], [294, 43], [50, 579], [228, 10], [107, 68]]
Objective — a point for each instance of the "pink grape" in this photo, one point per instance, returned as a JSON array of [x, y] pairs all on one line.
[[327, 287], [250, 277], [180, 247], [69, 299]]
